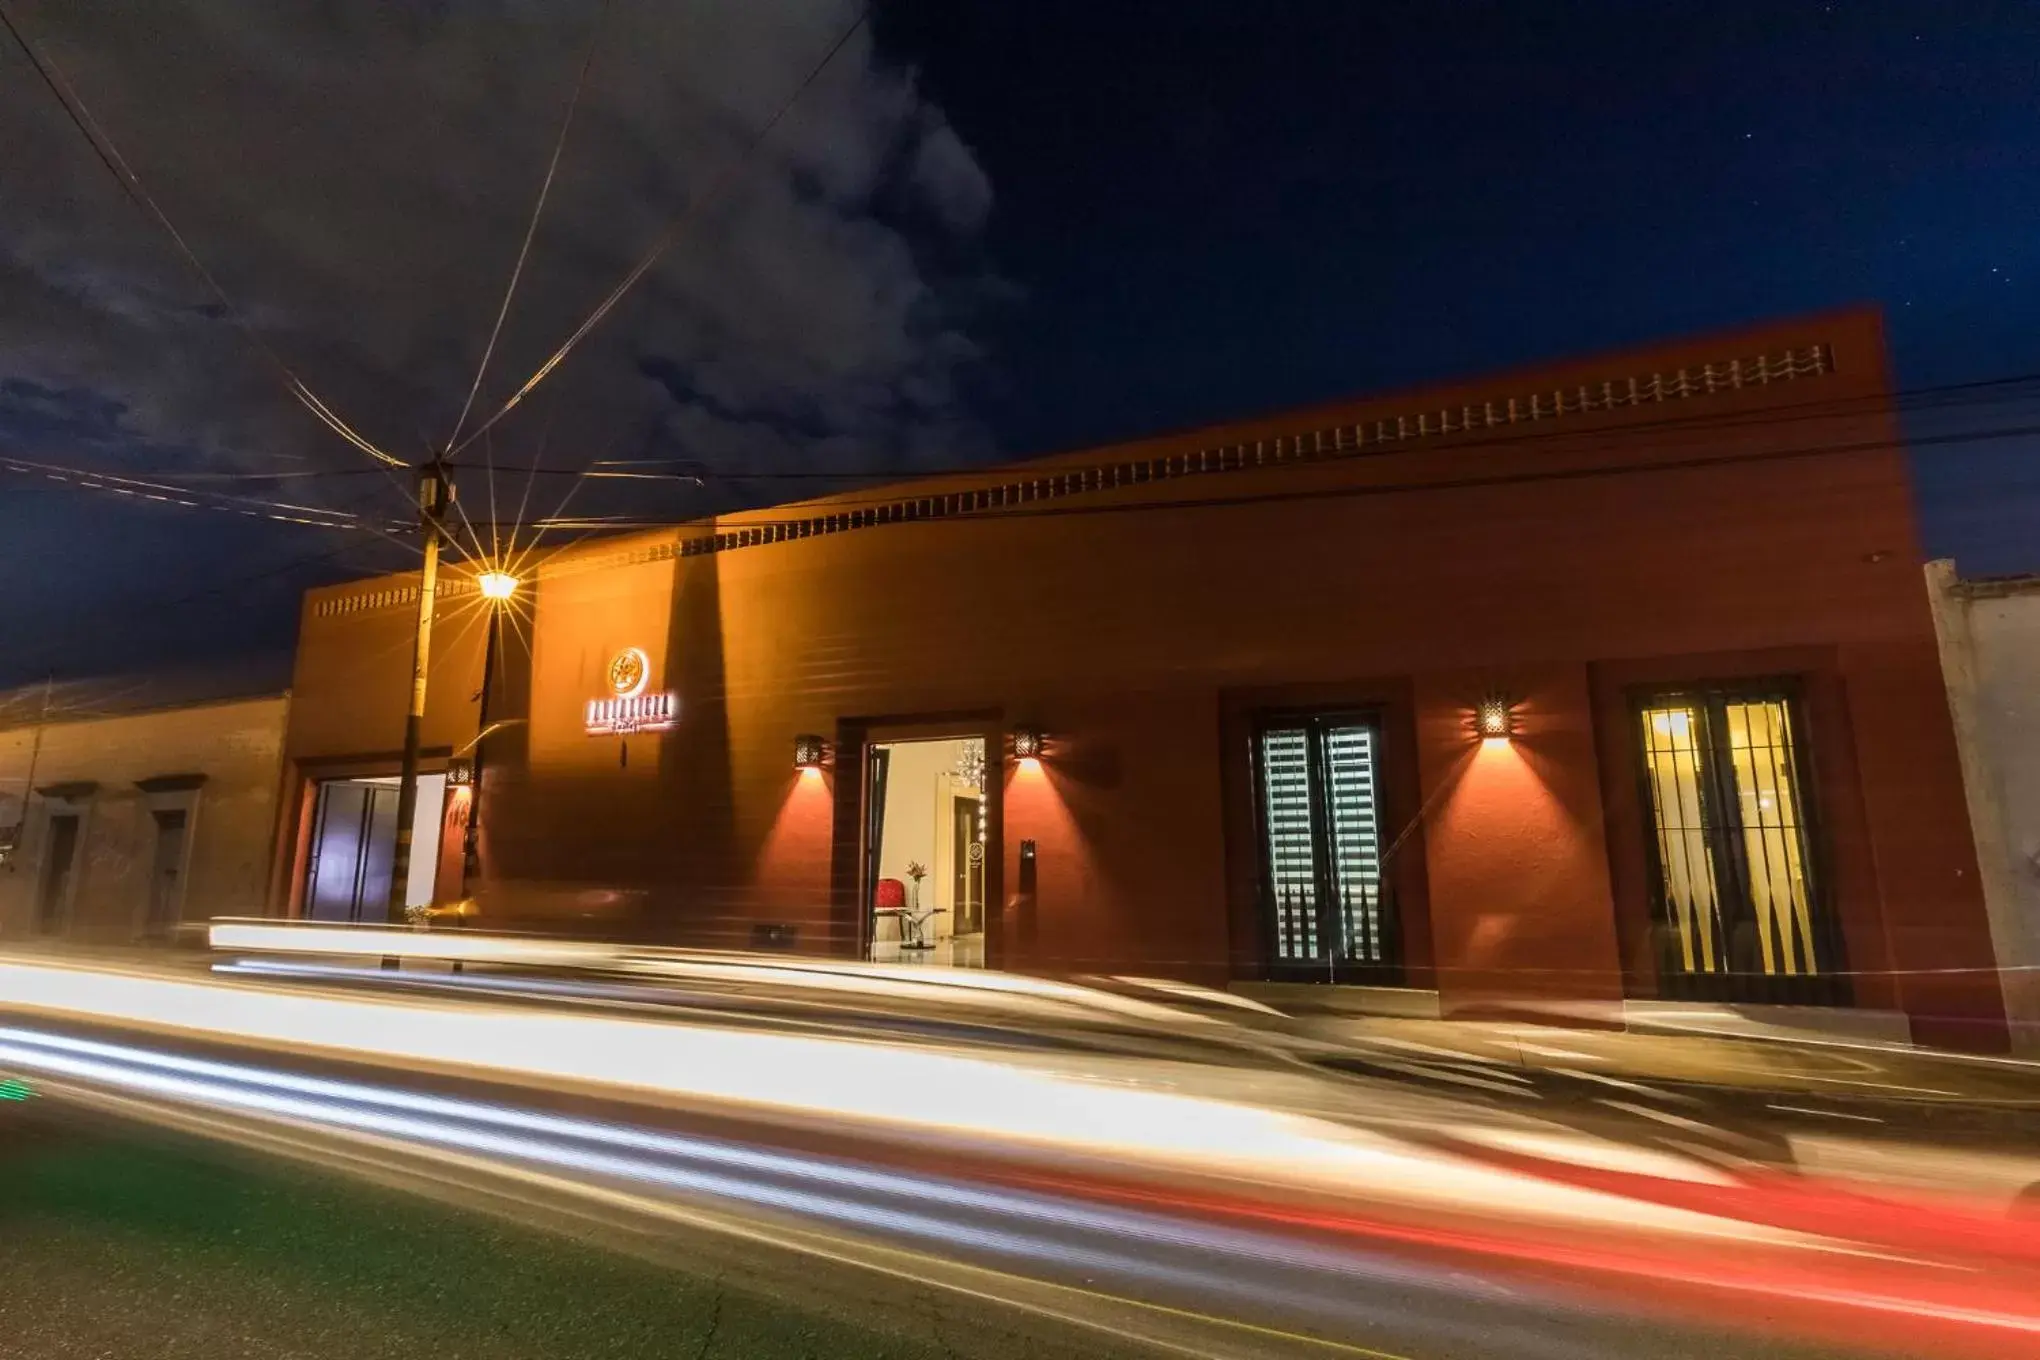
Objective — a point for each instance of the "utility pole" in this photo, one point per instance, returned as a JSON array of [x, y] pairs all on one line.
[[470, 857], [435, 493], [10, 837]]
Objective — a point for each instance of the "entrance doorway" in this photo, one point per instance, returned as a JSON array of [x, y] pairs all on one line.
[[354, 841], [166, 880], [926, 840], [60, 859]]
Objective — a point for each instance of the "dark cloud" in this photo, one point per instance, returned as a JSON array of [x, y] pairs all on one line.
[[358, 176]]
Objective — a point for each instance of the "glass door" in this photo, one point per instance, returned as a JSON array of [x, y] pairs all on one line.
[[1738, 903]]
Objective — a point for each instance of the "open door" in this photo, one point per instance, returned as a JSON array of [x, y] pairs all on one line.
[[967, 862], [876, 759], [926, 816]]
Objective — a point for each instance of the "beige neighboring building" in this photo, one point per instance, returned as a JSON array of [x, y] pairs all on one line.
[[125, 822], [1990, 655]]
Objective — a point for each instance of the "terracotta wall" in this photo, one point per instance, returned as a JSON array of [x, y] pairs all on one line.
[[354, 664], [1521, 908], [1128, 622]]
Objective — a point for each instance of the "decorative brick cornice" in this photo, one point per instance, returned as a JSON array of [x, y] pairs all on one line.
[[1310, 446], [379, 594], [1613, 394]]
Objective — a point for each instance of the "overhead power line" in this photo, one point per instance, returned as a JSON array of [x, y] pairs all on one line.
[[595, 524], [666, 238], [169, 494], [137, 193], [52, 650], [531, 230], [172, 489], [1996, 392], [183, 477], [1521, 477]]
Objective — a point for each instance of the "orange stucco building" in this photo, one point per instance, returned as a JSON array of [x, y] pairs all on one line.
[[1611, 679]]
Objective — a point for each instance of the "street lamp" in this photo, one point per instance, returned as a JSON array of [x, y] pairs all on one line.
[[498, 587]]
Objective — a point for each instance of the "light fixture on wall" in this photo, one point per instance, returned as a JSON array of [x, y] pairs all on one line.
[[809, 751], [1027, 743], [497, 585], [1494, 719]]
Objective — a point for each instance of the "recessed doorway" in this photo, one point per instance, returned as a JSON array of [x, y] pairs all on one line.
[[354, 842], [166, 877], [926, 845], [59, 871]]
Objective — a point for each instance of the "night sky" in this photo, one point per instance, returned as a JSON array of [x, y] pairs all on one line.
[[985, 230]]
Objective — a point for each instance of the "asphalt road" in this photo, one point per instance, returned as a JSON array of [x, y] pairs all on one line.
[[120, 1242], [122, 1239], [290, 1203]]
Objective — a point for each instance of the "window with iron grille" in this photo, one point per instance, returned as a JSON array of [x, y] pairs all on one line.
[[1738, 898], [1324, 912]]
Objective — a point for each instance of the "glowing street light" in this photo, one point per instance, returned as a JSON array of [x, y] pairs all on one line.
[[497, 587]]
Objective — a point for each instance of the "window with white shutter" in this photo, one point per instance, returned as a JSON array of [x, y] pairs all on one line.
[[1324, 912]]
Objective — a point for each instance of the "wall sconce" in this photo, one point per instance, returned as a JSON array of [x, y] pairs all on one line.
[[809, 751], [1027, 743], [1495, 718], [460, 773]]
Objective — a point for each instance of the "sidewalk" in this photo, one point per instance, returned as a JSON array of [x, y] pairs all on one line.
[[1768, 1059]]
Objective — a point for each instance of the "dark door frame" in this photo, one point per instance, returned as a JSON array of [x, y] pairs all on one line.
[[850, 872], [299, 813], [53, 901], [183, 795], [163, 910]]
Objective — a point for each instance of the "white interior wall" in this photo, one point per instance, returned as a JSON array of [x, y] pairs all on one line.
[[425, 829], [428, 820], [916, 794]]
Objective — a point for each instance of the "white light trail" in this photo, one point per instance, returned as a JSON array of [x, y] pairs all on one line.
[[879, 1087], [1040, 996]]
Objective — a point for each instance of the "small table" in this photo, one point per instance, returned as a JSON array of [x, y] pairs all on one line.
[[914, 928]]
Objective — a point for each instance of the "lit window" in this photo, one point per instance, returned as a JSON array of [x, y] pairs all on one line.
[[1733, 886]]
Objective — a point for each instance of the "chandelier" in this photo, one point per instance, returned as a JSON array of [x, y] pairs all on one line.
[[970, 763]]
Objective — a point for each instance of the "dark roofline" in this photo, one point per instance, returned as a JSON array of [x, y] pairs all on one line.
[[95, 698]]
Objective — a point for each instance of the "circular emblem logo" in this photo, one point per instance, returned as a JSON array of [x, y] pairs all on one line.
[[628, 672]]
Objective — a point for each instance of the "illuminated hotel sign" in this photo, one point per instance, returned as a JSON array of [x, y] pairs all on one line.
[[628, 708], [638, 713]]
